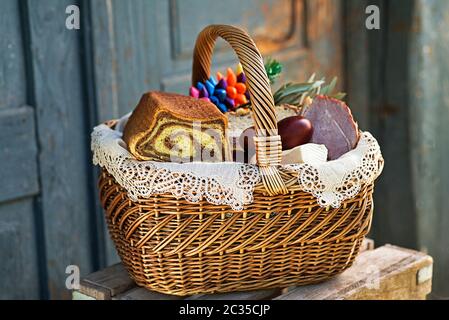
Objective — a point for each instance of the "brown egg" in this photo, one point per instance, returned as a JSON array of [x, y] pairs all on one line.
[[294, 131]]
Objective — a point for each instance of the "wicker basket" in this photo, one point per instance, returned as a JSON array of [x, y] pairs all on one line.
[[282, 238]]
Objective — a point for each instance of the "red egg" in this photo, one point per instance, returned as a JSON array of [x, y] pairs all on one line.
[[294, 131]]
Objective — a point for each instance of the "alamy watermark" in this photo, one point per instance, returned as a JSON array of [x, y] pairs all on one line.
[[72, 282], [372, 21], [72, 22]]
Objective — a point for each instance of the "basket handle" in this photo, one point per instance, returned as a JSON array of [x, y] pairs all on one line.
[[267, 141]]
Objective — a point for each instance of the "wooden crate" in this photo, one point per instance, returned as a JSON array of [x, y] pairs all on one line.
[[388, 272]]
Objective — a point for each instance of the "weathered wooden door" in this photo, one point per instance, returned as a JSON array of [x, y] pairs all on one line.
[[56, 83]]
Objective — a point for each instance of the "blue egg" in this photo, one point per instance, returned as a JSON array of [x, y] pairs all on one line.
[[210, 87], [213, 80], [199, 86], [214, 100], [222, 107], [220, 94]]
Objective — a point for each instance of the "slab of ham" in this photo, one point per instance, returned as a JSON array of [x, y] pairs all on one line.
[[333, 125]]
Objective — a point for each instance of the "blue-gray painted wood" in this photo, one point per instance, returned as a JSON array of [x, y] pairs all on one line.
[[19, 268], [18, 255], [394, 198], [356, 64], [12, 66], [377, 85], [18, 154], [404, 66], [125, 44], [58, 95], [429, 134]]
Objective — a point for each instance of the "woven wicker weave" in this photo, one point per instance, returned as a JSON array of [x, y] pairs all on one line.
[[283, 238]]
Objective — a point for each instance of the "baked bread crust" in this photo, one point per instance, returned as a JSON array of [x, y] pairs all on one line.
[[152, 104]]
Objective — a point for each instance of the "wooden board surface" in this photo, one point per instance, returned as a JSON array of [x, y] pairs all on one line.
[[18, 152], [388, 272], [57, 95], [20, 252]]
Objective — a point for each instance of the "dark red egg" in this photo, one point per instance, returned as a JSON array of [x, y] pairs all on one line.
[[294, 131]]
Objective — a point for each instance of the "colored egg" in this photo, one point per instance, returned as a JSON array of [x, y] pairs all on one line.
[[294, 131], [213, 80], [239, 69], [199, 85], [247, 95], [210, 87], [241, 77], [229, 103], [231, 92], [214, 100], [204, 93], [240, 87], [222, 107], [222, 84], [194, 92], [205, 99], [220, 94], [219, 76], [240, 99], [231, 77]]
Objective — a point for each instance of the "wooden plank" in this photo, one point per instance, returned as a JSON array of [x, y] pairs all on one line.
[[394, 132], [389, 122], [324, 32], [429, 117], [357, 55], [107, 283], [126, 61], [12, 65], [19, 268], [408, 113], [57, 92], [18, 154], [388, 272]]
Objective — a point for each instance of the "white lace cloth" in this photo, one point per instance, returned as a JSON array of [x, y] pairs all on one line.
[[231, 183]]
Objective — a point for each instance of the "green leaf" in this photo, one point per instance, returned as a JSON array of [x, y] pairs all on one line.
[[327, 90], [339, 95], [273, 69]]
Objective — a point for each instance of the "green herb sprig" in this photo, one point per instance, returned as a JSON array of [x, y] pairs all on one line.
[[273, 69], [296, 93]]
